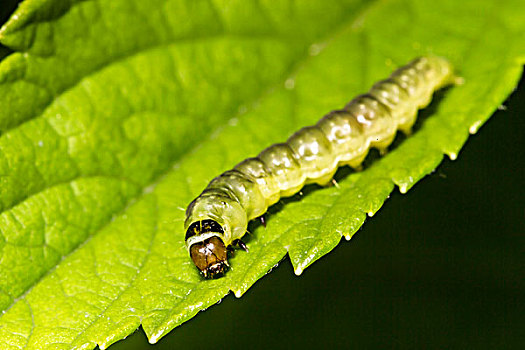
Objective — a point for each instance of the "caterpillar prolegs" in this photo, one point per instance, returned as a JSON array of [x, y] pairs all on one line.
[[219, 216]]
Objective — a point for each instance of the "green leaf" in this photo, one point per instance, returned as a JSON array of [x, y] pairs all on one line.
[[117, 114]]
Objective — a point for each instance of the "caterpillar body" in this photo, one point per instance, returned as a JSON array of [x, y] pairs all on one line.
[[218, 217]]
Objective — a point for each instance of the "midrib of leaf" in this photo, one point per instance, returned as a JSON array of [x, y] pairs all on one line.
[[296, 62]]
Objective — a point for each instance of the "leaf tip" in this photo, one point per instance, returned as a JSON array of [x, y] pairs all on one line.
[[154, 338], [299, 270], [8, 24], [475, 127], [2, 33]]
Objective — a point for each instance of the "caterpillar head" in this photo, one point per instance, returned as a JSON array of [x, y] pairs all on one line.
[[207, 249]]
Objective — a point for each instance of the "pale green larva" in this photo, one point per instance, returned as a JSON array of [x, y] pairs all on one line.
[[219, 216]]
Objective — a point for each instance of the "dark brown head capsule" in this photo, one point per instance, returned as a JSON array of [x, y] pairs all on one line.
[[210, 257], [207, 250]]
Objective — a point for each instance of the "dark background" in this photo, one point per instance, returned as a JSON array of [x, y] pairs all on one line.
[[6, 8], [439, 267]]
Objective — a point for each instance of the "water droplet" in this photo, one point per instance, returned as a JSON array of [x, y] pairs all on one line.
[[149, 189], [289, 83], [316, 48]]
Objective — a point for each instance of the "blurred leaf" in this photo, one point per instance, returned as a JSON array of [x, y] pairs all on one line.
[[117, 114]]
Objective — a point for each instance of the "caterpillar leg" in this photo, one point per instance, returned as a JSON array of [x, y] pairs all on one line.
[[356, 162], [382, 145], [407, 130], [325, 180], [238, 242]]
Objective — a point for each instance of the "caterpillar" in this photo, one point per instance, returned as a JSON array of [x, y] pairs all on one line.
[[218, 218]]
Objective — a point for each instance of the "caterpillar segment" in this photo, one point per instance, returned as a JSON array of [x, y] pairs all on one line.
[[217, 219]]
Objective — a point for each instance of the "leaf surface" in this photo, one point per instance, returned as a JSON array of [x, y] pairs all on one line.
[[119, 113]]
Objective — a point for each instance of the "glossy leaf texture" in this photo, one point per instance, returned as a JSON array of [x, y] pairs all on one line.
[[116, 114]]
